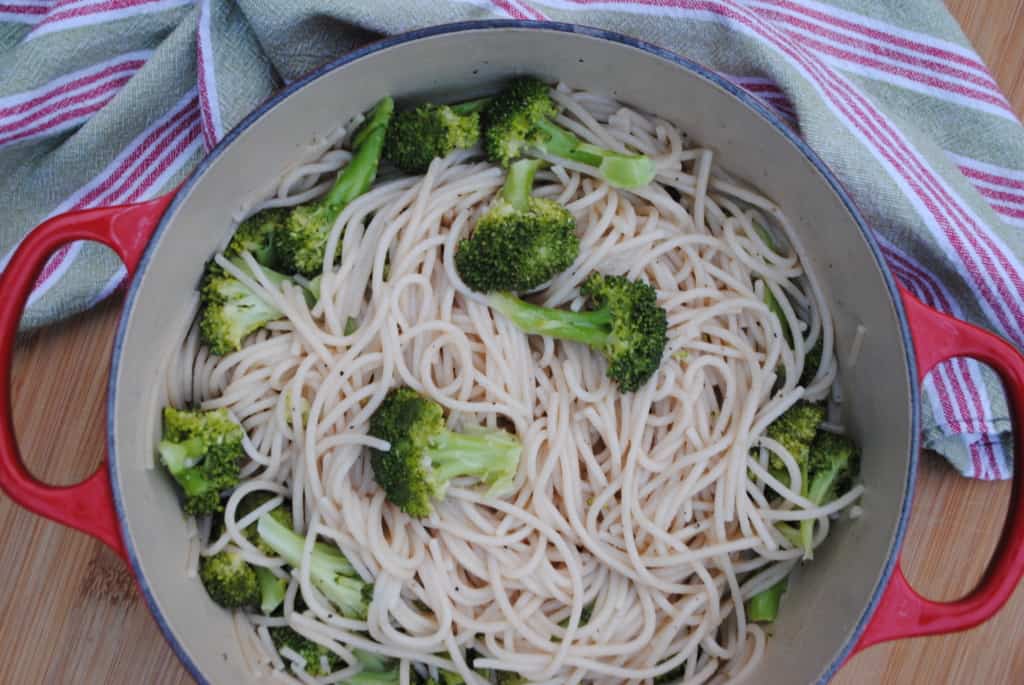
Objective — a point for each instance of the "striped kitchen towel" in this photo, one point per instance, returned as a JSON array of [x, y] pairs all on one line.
[[112, 101]]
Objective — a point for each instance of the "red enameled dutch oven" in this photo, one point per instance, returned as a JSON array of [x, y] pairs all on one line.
[[853, 596]]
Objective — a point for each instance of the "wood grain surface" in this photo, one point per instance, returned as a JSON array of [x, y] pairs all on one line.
[[70, 613]]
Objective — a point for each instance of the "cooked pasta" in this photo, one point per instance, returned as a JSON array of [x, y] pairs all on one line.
[[638, 522]]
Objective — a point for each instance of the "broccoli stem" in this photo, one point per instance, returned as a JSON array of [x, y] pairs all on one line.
[[358, 175], [470, 106], [177, 456], [769, 297], [518, 187], [764, 606], [477, 453], [817, 491], [623, 171], [590, 328], [272, 590], [775, 308], [790, 533], [329, 570]]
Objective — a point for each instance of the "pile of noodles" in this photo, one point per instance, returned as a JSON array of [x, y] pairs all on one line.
[[644, 510]]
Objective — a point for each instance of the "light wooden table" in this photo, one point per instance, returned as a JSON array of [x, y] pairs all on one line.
[[69, 611]]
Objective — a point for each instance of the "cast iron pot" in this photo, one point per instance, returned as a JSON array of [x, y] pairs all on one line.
[[852, 596]]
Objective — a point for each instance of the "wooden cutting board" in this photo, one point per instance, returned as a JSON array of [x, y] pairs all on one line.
[[69, 611]]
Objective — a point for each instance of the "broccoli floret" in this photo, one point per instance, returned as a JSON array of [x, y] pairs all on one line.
[[627, 326], [509, 678], [230, 310], [202, 450], [518, 123], [313, 653], [302, 243], [521, 242], [764, 606], [229, 580], [417, 136], [832, 464], [424, 455], [330, 571], [775, 308], [272, 590], [795, 429], [256, 235]]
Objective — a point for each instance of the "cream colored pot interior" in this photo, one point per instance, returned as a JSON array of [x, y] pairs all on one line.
[[827, 599]]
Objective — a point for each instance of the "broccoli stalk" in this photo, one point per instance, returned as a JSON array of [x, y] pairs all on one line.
[[391, 677], [272, 590], [769, 297], [330, 571], [424, 456], [627, 326], [764, 606], [417, 136], [201, 450], [832, 464], [445, 678], [517, 123], [521, 242], [302, 242]]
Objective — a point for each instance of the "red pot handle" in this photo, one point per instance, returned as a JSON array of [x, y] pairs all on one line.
[[902, 612], [89, 505]]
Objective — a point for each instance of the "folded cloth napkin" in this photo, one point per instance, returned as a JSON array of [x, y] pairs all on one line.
[[105, 102]]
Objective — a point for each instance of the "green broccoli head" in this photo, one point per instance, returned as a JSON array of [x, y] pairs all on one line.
[[319, 660], [639, 327], [510, 119], [229, 580], [303, 241], [424, 456], [795, 430], [231, 311], [202, 451], [521, 242], [256, 235], [626, 325], [509, 678], [417, 136], [833, 463], [518, 123]]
